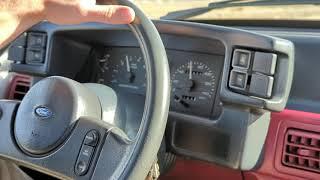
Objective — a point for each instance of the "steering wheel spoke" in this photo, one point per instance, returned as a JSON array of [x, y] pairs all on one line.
[[7, 110], [74, 159]]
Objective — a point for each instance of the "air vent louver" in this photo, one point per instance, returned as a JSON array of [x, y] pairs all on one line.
[[20, 85], [302, 150]]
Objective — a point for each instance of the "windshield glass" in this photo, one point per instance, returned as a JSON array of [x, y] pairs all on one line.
[[296, 10]]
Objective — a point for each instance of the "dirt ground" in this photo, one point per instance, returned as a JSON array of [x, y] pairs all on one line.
[[158, 8]]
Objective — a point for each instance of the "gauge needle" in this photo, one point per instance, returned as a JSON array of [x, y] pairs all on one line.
[[190, 70], [128, 65]]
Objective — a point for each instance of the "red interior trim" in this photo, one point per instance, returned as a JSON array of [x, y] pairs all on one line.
[[272, 168], [198, 170], [18, 79]]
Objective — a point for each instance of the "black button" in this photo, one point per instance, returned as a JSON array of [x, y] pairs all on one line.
[[261, 85], [241, 59], [21, 40], [36, 40], [81, 168], [264, 63], [84, 159], [35, 56], [91, 138], [238, 80], [16, 54]]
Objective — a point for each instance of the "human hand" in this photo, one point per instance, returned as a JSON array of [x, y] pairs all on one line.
[[16, 16]]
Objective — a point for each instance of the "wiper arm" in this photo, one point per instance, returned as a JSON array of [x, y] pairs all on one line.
[[188, 13]]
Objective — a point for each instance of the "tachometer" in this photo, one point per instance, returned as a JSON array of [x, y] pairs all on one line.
[[124, 69]]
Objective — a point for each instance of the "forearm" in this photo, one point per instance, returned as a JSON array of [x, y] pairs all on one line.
[[16, 16]]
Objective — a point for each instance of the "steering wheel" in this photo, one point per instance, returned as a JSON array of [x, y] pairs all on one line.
[[57, 127]]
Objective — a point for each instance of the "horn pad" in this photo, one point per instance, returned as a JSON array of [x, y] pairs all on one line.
[[49, 111]]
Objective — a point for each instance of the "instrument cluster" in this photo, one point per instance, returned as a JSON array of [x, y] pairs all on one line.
[[194, 76]]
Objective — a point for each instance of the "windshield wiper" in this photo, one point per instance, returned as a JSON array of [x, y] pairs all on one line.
[[188, 13]]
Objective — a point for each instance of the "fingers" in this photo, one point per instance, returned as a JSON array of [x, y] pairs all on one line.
[[81, 11], [112, 14]]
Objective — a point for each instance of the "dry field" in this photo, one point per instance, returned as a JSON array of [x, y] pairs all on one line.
[[156, 9]]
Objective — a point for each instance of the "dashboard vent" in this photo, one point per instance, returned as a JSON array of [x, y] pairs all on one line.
[[302, 150], [20, 85]]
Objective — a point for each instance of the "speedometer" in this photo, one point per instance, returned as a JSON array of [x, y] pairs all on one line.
[[193, 86], [193, 81]]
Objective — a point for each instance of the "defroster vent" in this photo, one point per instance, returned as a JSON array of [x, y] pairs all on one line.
[[19, 87], [302, 150]]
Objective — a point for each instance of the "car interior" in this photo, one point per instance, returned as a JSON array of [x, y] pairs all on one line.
[[188, 98]]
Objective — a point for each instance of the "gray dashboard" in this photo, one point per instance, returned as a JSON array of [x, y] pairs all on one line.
[[210, 115]]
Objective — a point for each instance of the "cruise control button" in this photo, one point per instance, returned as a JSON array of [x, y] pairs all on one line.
[[84, 160], [81, 167], [238, 80], [261, 85], [241, 59], [91, 138], [265, 63]]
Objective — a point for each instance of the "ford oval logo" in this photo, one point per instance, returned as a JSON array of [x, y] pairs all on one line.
[[43, 112]]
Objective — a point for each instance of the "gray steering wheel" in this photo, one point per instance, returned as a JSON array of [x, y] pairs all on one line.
[[56, 128]]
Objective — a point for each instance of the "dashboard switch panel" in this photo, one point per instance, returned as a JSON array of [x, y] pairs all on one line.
[[264, 63], [241, 59], [253, 73], [261, 85], [28, 49]]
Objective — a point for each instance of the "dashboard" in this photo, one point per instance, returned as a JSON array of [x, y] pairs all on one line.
[[219, 88]]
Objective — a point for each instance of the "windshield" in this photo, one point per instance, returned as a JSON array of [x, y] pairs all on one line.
[[172, 9]]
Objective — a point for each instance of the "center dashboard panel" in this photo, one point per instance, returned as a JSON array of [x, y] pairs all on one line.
[[209, 114]]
